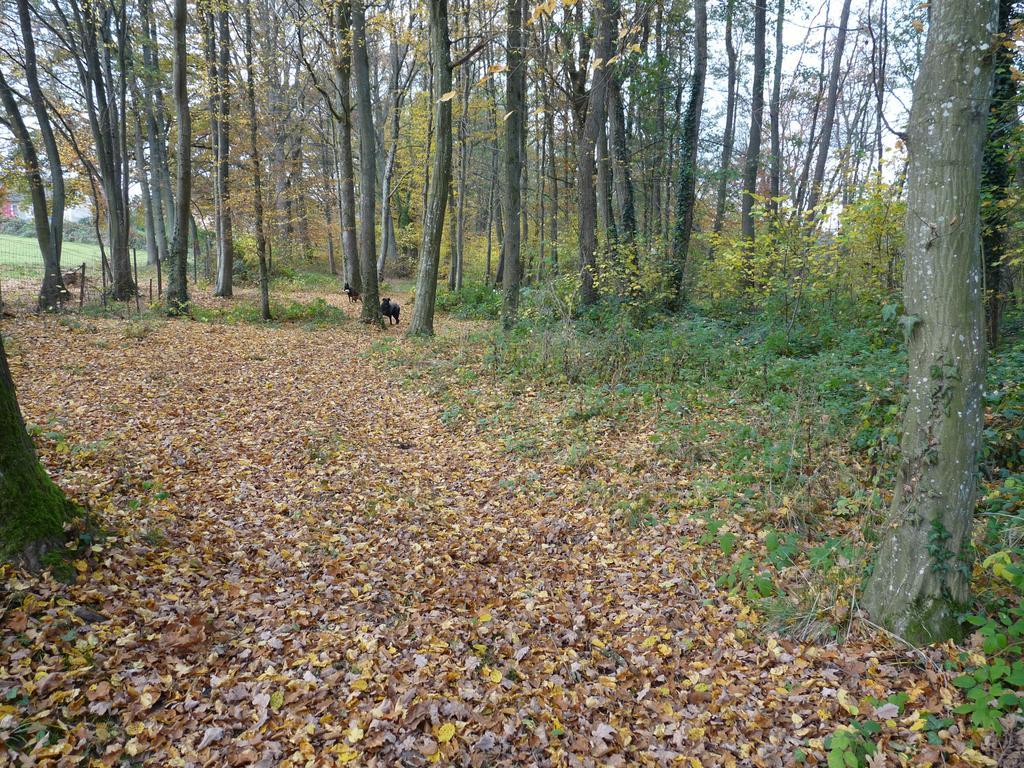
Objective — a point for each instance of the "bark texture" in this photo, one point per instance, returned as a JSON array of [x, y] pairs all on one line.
[[515, 125], [921, 576], [440, 178], [686, 198], [33, 510], [177, 283]]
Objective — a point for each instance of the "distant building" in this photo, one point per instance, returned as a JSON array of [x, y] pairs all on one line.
[[15, 205]]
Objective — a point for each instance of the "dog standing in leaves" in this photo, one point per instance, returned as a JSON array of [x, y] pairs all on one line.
[[390, 310], [353, 296]]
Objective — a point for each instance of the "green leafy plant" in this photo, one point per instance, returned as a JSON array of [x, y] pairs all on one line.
[[851, 745]]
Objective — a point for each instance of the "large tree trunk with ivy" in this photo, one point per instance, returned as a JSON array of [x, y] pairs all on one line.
[[686, 197], [998, 172], [440, 178], [33, 510], [921, 576]]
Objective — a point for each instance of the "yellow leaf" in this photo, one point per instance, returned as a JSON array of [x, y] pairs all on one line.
[[81, 566], [345, 754], [359, 685], [448, 96], [354, 733], [974, 757], [445, 733], [847, 702], [485, 617], [664, 650], [276, 700]]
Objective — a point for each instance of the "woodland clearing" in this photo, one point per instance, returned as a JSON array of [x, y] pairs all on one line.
[[308, 564]]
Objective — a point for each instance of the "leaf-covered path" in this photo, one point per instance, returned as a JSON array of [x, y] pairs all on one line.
[[312, 569]]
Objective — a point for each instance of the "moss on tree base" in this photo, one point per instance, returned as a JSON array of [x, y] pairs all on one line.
[[33, 513], [926, 620]]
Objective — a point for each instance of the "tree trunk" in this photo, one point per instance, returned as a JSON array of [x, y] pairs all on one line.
[[177, 280], [591, 128], [753, 158], [367, 168], [830, 113], [686, 197], [515, 127], [775, 170], [921, 577], [257, 172], [226, 265], [342, 76], [433, 217], [152, 253], [105, 106], [52, 292], [464, 151], [53, 161], [33, 510], [621, 176], [729, 136], [997, 174]]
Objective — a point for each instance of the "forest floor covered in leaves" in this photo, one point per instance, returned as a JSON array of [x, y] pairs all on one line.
[[311, 562]]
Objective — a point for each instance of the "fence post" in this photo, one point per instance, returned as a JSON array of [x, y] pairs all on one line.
[[103, 275], [135, 263], [81, 289]]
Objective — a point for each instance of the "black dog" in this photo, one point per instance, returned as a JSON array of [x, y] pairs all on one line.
[[353, 296], [390, 310]]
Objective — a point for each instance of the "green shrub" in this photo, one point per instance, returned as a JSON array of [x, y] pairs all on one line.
[[474, 301]]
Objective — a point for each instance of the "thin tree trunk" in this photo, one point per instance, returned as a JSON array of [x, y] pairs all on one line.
[[152, 254], [830, 113], [729, 137], [921, 576], [367, 168], [621, 176], [52, 292], [515, 127], [177, 282], [753, 158], [226, 265], [591, 129], [342, 74], [53, 161], [460, 236], [997, 172], [686, 197], [774, 107], [257, 180], [434, 214]]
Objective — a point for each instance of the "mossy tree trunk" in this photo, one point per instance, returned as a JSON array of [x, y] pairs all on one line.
[[33, 509], [921, 577]]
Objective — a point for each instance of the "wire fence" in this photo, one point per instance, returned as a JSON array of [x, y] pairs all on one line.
[[86, 272]]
